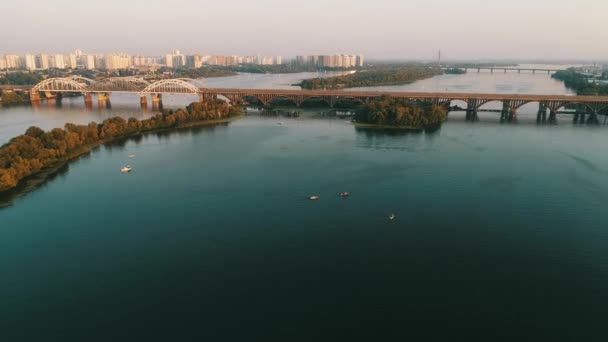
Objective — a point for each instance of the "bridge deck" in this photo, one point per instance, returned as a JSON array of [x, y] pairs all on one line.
[[415, 95]]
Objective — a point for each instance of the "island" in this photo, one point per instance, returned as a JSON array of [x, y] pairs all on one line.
[[388, 112], [584, 84], [40, 154], [381, 75]]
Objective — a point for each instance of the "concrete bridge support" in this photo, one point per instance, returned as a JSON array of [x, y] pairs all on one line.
[[157, 102], [472, 107], [34, 97], [88, 100], [103, 100], [542, 113], [143, 102]]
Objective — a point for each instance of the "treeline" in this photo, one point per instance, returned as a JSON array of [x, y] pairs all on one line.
[[389, 111], [204, 72], [391, 75], [21, 78], [580, 83], [9, 98], [36, 150]]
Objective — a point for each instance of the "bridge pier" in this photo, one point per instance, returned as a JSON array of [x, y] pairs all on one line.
[[593, 119], [509, 112], [34, 97], [553, 115], [542, 113], [157, 102], [88, 101], [472, 106], [143, 102], [103, 100]]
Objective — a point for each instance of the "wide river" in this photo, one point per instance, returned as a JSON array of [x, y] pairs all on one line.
[[501, 230]]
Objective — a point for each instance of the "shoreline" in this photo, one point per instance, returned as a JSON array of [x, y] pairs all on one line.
[[38, 179]]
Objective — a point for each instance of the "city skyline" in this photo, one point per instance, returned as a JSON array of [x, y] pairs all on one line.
[[174, 59], [380, 30]]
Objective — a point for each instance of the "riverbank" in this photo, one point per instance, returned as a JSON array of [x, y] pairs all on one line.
[[38, 179]]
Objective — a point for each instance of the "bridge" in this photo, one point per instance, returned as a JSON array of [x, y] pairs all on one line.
[[587, 107], [504, 69]]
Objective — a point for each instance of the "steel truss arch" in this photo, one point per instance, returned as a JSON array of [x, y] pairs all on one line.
[[173, 86], [60, 84]]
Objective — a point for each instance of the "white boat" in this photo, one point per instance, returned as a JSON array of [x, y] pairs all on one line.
[[126, 169], [313, 198], [132, 156], [392, 217]]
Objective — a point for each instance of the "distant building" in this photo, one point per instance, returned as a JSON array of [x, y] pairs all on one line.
[[12, 61], [56, 61], [2, 64], [30, 62], [42, 61], [70, 61], [117, 62], [169, 60], [331, 61], [88, 61]]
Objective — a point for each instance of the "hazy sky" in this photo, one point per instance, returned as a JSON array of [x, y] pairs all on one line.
[[463, 29]]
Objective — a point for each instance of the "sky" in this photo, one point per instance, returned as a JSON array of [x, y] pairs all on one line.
[[379, 29]]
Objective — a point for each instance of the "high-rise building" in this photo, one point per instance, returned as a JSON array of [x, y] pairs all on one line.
[[70, 61], [2, 64], [117, 62], [30, 62], [169, 60], [278, 60], [179, 61], [12, 61], [88, 61], [359, 60], [42, 61], [100, 62], [56, 61]]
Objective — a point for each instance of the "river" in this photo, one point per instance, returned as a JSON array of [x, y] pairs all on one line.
[[500, 229]]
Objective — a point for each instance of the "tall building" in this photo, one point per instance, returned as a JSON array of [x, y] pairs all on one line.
[[30, 62], [56, 61], [117, 62], [70, 61], [179, 61], [12, 61], [359, 60], [175, 59], [42, 61], [169, 60], [88, 61], [2, 64]]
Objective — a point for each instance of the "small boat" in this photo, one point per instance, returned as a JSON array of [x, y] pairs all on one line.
[[279, 123], [126, 169], [132, 156], [345, 194], [313, 198], [392, 217]]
